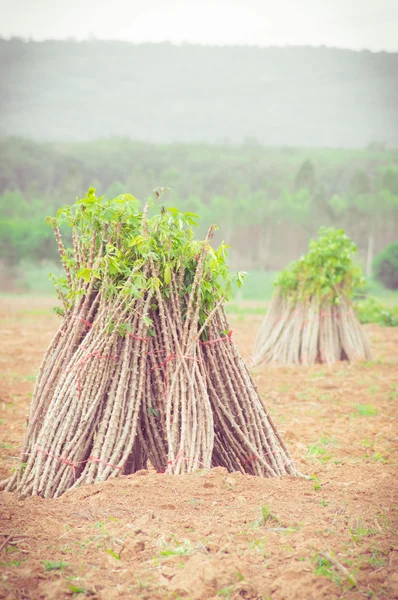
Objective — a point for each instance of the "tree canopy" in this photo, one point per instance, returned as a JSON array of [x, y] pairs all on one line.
[[267, 202]]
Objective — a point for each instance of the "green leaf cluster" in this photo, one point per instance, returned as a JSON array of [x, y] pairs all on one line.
[[327, 271], [127, 239]]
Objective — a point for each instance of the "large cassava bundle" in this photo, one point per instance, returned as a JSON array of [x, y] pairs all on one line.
[[311, 318], [143, 366]]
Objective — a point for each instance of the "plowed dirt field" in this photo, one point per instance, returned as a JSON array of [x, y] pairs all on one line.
[[214, 534]]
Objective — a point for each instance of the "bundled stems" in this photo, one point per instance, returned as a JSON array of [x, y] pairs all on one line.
[[306, 333], [143, 366], [311, 318]]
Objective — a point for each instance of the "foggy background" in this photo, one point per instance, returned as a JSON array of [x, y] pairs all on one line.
[[353, 24], [268, 118]]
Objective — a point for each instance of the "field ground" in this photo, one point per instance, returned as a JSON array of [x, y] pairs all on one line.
[[214, 534]]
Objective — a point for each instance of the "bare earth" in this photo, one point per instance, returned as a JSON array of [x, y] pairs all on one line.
[[216, 535]]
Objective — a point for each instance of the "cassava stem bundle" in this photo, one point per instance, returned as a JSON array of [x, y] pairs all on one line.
[[311, 318], [142, 367]]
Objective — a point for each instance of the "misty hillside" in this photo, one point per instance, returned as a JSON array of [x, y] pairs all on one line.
[[160, 93]]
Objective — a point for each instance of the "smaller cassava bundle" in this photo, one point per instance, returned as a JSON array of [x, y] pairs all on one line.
[[311, 318], [143, 366]]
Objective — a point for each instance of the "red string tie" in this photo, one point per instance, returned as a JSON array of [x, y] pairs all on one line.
[[178, 457], [141, 339], [250, 459], [220, 339], [174, 460], [255, 457], [76, 465], [98, 460], [82, 363], [87, 323], [228, 338], [165, 364], [63, 460]]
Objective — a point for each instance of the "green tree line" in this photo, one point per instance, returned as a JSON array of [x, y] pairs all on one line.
[[267, 202]]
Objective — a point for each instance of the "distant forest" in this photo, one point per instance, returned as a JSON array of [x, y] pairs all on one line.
[[267, 202], [161, 93]]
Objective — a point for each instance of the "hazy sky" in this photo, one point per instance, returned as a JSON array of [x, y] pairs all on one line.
[[357, 24]]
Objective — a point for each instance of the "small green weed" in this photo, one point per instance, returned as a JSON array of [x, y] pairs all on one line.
[[77, 590], [112, 553], [318, 374], [12, 563], [326, 440], [318, 452], [195, 501], [181, 549], [101, 526], [55, 565], [266, 517], [370, 364], [324, 568], [29, 377], [367, 444], [259, 546], [360, 531], [225, 592], [327, 398], [377, 559], [364, 410], [5, 446], [317, 482], [378, 457], [20, 467]]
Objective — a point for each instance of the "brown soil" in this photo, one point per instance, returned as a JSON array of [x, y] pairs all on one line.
[[214, 534]]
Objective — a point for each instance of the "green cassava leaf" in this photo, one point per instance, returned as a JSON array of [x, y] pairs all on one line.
[[167, 275], [85, 274]]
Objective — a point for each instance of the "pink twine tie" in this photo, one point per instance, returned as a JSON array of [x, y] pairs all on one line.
[[165, 363], [82, 363], [65, 461], [98, 460], [256, 457], [228, 338]]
